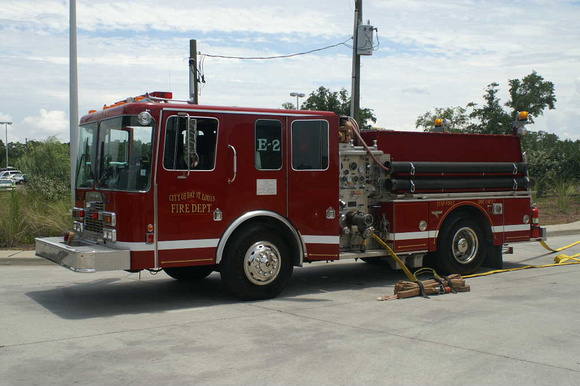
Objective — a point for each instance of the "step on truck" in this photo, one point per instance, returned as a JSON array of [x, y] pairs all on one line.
[[252, 193]]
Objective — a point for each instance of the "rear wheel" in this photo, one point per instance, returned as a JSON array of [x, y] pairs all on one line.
[[461, 247], [257, 264], [189, 273]]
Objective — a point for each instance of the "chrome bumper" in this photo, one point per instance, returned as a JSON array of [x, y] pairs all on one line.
[[82, 256]]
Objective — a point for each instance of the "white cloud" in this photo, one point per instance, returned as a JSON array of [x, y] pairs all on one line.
[[44, 125], [147, 15], [440, 54]]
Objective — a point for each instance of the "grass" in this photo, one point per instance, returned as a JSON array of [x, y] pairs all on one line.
[[26, 215]]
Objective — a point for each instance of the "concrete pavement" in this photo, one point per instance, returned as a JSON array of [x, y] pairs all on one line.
[[326, 328]]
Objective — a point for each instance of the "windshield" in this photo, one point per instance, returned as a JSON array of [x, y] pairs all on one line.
[[85, 162], [124, 157]]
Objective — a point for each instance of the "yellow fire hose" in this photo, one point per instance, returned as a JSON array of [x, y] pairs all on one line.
[[561, 259], [394, 256]]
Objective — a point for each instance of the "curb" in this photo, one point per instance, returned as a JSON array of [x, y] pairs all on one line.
[[564, 232], [21, 257], [24, 261]]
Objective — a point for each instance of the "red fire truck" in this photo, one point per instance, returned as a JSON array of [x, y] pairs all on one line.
[[252, 193]]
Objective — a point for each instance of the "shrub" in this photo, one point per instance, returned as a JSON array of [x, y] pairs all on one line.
[[563, 191]]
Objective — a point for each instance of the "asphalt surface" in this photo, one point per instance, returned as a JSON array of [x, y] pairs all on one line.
[[326, 328]]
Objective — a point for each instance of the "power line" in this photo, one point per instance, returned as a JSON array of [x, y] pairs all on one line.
[[276, 57]]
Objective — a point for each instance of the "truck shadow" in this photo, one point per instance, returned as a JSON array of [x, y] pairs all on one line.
[[129, 294]]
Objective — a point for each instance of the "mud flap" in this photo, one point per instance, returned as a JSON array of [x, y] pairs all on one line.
[[494, 258]]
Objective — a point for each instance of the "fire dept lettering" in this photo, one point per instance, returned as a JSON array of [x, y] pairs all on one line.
[[190, 208], [178, 206]]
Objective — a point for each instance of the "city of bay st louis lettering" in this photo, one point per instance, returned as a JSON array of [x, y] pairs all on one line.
[[178, 206]]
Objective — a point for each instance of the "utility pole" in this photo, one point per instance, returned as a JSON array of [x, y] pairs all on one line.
[[193, 98], [355, 92]]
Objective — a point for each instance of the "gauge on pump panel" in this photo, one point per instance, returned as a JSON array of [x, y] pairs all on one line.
[[353, 166]]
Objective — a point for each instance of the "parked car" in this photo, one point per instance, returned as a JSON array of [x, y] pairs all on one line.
[[18, 178], [6, 184], [9, 172]]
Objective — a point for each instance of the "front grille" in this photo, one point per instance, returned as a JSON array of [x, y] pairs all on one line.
[[93, 227]]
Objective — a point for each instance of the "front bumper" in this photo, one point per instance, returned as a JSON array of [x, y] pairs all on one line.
[[83, 256]]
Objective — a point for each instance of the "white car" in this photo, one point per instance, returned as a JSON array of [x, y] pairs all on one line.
[[6, 184], [18, 178], [8, 173]]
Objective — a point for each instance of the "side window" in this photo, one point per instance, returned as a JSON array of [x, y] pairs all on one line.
[[174, 157], [268, 145], [310, 145]]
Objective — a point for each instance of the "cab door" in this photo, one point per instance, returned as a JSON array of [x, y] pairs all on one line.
[[190, 182], [313, 185]]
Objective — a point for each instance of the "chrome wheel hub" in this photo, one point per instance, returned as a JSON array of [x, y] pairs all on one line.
[[262, 263], [465, 245]]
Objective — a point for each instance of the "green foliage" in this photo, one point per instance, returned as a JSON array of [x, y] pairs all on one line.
[[564, 191], [323, 99], [550, 159], [11, 225], [531, 94], [47, 166], [491, 117], [457, 117], [26, 215]]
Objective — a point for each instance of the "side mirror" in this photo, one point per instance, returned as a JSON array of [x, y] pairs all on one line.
[[190, 149]]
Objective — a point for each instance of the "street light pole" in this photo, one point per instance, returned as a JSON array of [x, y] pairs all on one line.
[[297, 95], [6, 144], [355, 92]]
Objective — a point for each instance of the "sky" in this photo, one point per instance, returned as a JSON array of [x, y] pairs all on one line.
[[428, 54]]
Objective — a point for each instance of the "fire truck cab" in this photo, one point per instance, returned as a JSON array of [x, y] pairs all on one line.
[[252, 193]]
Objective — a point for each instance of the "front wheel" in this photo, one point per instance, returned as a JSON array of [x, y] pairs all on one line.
[[461, 247], [256, 264]]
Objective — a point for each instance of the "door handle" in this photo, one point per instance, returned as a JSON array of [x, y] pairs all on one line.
[[231, 180]]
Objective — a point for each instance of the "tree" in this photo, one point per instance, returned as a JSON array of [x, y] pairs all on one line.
[[47, 166], [532, 94], [491, 117], [288, 106], [457, 117], [323, 99]]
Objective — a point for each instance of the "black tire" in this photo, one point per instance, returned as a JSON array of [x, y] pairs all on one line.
[[190, 273], [251, 279], [461, 247]]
